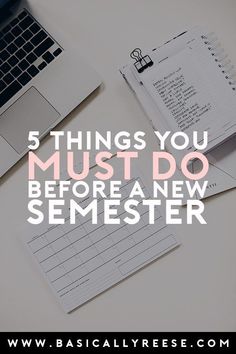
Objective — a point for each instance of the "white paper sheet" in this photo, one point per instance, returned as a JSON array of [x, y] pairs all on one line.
[[221, 175], [81, 261]]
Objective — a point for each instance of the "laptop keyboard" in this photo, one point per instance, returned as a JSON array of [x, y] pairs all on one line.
[[25, 50]]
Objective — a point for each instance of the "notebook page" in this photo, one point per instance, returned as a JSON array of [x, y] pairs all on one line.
[[186, 97], [159, 54], [206, 62], [222, 173]]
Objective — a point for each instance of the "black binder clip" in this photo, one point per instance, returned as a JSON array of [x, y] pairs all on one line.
[[141, 62]]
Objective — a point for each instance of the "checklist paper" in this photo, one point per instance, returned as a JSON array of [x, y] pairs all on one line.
[[192, 86], [222, 173], [82, 260]]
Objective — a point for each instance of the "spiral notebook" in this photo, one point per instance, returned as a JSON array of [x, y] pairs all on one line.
[[206, 49], [191, 83]]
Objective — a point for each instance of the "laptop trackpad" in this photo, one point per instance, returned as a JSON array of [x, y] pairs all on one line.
[[30, 112]]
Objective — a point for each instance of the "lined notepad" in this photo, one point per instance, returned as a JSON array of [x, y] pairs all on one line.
[[192, 84], [217, 85]]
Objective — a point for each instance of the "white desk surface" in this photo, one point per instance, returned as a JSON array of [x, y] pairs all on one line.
[[194, 287]]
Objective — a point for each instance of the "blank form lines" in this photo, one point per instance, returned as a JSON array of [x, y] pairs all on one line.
[[109, 260], [82, 260], [105, 249]]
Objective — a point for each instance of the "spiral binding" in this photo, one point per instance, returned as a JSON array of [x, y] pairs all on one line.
[[221, 59]]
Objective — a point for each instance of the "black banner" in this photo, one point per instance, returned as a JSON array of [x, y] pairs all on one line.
[[111, 342]]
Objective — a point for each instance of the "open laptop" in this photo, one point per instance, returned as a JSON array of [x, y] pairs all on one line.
[[42, 78]]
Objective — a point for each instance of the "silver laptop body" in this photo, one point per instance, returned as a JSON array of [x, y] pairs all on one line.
[[42, 78]]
